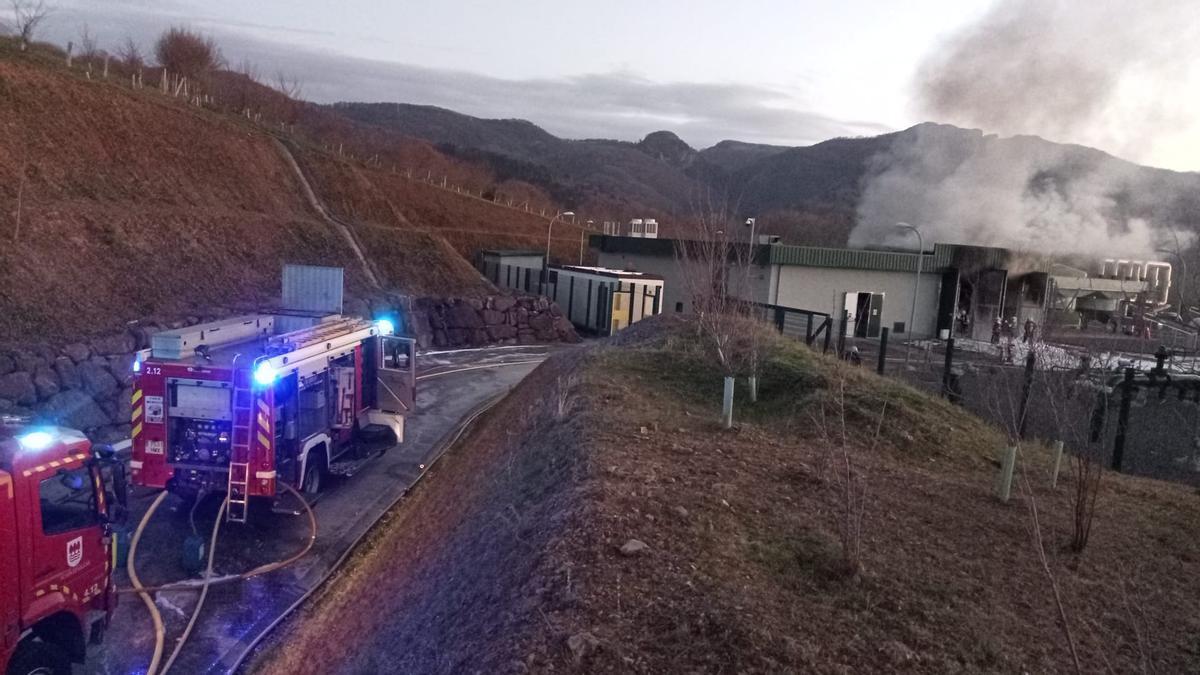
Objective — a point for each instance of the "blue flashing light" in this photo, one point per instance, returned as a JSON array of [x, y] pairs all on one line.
[[385, 326], [264, 374], [36, 440], [137, 365]]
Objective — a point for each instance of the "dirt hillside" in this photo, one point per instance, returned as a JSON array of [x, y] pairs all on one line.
[[510, 559], [119, 205]]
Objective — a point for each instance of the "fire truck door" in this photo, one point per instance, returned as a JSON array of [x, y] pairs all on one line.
[[396, 376], [343, 413], [10, 608], [69, 556]]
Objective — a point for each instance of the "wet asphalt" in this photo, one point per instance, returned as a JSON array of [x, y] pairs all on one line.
[[453, 385]]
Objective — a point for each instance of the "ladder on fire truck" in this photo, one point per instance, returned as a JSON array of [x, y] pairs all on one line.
[[322, 332], [239, 459]]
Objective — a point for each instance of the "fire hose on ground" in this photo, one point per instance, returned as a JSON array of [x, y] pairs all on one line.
[[208, 581], [202, 584]]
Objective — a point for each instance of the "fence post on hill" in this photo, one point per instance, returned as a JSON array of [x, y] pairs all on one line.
[[1123, 420], [727, 403], [841, 341], [1026, 390], [1056, 457], [947, 368], [883, 340]]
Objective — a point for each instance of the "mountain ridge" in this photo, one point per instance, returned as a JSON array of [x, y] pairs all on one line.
[[811, 193]]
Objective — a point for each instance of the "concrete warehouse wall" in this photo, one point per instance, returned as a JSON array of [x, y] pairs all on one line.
[[821, 289], [756, 287], [88, 385]]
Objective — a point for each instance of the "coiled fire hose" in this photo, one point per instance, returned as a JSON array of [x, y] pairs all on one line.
[[202, 584]]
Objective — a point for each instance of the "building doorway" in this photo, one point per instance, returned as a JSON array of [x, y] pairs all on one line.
[[864, 312]]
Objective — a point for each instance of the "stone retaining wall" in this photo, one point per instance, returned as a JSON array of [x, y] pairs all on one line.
[[499, 319]]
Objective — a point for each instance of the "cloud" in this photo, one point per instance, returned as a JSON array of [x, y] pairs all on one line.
[[619, 105]]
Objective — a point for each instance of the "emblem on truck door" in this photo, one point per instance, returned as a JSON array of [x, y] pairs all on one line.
[[74, 551]]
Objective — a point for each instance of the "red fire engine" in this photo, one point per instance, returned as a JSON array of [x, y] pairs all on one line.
[[239, 405], [56, 510]]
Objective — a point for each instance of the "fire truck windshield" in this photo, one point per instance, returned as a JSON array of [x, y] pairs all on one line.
[[67, 501]]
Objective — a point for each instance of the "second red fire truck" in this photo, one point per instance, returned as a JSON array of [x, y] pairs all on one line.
[[58, 503], [245, 404]]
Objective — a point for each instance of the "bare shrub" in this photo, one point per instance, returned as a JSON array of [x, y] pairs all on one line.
[[849, 480], [1079, 410], [186, 53], [88, 49], [28, 15], [1006, 406], [288, 85], [130, 55], [1039, 547], [714, 272], [563, 399]]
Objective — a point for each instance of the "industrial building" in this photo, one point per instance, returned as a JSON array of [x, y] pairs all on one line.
[[960, 290]]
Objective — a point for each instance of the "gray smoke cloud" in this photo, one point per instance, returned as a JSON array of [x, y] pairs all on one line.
[[1099, 73]]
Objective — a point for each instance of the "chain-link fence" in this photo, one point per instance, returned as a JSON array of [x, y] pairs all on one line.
[[1137, 414]]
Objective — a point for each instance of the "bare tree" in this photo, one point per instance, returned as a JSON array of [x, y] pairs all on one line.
[[131, 56], [246, 67], [289, 86], [88, 51], [27, 16], [714, 275]]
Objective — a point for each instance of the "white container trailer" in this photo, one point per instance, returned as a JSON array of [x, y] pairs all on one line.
[[603, 301]]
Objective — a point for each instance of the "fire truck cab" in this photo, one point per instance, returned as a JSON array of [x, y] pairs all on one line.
[[242, 404], [58, 501]]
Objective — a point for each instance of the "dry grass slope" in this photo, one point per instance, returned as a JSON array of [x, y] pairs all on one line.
[[743, 570]]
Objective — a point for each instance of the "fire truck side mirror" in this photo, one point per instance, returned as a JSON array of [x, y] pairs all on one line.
[[113, 478], [120, 484]]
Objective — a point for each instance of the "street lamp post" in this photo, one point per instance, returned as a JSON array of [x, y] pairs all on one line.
[[912, 316], [546, 260], [582, 232]]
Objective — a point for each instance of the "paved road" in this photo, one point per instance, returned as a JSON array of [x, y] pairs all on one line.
[[454, 384]]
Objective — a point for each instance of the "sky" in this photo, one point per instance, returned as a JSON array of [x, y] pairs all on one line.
[[785, 72]]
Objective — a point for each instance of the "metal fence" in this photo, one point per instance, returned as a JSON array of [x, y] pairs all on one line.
[[1138, 416], [1140, 420]]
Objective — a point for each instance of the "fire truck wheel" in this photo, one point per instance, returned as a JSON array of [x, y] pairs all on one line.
[[39, 658], [314, 477]]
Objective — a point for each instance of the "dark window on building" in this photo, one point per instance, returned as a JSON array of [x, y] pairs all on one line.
[[68, 501], [898, 328], [678, 307]]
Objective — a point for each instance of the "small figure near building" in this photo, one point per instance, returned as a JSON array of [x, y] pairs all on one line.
[[1029, 329]]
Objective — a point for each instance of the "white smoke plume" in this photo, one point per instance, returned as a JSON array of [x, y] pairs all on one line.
[[1091, 72]]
